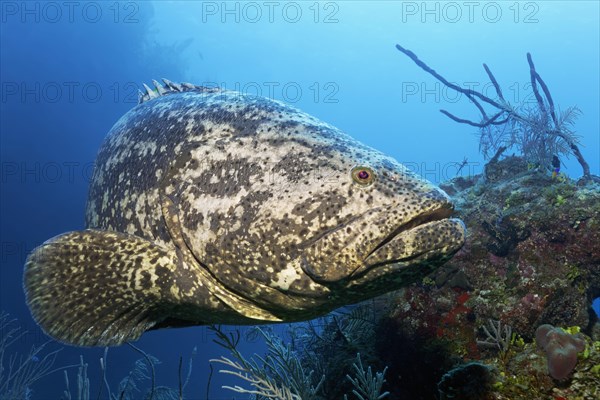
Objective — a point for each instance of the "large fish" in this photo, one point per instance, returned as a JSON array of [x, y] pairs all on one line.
[[210, 206]]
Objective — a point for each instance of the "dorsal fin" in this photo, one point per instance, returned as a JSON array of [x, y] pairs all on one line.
[[170, 87]]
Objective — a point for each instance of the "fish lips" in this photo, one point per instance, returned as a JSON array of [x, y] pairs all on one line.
[[428, 237]]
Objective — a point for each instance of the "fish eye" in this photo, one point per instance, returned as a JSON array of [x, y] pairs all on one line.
[[363, 175]]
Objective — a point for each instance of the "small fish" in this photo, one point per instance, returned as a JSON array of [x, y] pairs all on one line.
[[209, 206], [555, 166]]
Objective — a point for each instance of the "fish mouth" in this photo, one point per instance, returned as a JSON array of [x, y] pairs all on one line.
[[348, 252], [430, 235], [431, 216]]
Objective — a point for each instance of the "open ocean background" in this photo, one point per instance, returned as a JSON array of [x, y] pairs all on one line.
[[69, 70]]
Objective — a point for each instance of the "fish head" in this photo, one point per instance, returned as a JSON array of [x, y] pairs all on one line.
[[392, 224], [367, 224]]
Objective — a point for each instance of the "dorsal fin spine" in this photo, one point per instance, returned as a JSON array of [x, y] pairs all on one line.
[[169, 87]]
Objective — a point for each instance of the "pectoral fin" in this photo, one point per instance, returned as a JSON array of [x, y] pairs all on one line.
[[98, 288]]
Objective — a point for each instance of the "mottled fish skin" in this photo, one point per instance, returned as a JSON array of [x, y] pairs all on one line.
[[255, 205]]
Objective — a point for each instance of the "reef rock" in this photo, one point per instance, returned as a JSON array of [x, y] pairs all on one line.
[[532, 257]]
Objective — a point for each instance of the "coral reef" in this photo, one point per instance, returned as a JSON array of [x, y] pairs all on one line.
[[531, 258], [532, 254]]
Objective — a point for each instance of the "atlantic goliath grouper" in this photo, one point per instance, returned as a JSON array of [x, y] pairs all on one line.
[[209, 206]]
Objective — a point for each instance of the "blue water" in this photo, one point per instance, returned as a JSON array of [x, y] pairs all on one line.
[[70, 70]]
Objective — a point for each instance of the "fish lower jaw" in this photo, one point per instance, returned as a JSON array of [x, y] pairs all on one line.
[[439, 238]]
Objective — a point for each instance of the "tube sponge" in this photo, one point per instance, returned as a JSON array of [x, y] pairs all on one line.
[[561, 349]]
